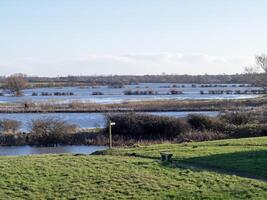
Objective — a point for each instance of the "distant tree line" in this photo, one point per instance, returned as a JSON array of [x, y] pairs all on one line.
[[255, 75], [119, 80]]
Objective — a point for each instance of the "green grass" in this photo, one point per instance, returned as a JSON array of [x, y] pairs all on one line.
[[119, 176], [241, 155]]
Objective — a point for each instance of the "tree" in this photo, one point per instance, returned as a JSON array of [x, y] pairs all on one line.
[[15, 84], [260, 68], [49, 131], [261, 61], [9, 126]]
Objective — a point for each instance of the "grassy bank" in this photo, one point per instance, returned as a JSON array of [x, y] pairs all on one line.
[[120, 175]]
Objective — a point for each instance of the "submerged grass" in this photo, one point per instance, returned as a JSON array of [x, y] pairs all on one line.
[[118, 176]]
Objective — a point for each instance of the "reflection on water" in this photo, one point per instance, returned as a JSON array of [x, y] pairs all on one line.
[[29, 150]]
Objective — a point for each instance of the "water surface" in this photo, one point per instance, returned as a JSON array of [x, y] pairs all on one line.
[[83, 120], [30, 150], [116, 95]]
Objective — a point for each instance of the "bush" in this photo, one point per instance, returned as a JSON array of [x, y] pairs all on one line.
[[263, 116], [198, 136], [247, 130], [85, 138], [143, 126], [201, 122], [174, 91], [239, 118], [49, 131], [97, 93], [16, 139], [9, 126]]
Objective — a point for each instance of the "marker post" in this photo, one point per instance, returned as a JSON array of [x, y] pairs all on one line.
[[110, 132]]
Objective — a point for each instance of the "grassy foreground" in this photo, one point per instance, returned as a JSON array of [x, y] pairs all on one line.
[[136, 173]]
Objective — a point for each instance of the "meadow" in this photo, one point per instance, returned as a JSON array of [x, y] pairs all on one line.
[[238, 172]]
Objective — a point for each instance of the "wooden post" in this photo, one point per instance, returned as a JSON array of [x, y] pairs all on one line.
[[110, 133]]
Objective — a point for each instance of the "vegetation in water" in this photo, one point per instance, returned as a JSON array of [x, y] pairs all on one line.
[[15, 84]]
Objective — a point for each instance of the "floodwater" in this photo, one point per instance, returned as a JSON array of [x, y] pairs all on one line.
[[84, 120], [30, 150], [110, 95], [116, 95]]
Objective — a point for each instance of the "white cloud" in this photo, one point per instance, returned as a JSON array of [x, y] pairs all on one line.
[[139, 63]]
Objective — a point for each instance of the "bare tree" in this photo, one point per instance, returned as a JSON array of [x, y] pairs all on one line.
[[9, 126], [15, 84], [50, 131], [261, 61], [259, 70]]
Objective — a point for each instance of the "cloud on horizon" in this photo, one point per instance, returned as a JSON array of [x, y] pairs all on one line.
[[133, 64]]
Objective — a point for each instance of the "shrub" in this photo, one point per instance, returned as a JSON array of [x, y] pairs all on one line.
[[116, 85], [201, 136], [263, 115], [140, 92], [247, 130], [9, 126], [97, 93], [174, 91], [239, 118], [49, 131], [15, 139], [201, 122], [143, 126], [85, 138]]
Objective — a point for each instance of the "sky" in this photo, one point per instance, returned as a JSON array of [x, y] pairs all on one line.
[[104, 37]]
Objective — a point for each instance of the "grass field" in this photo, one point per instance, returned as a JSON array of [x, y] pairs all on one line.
[[248, 156], [207, 170]]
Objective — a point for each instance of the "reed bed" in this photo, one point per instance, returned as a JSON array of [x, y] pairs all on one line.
[[138, 106]]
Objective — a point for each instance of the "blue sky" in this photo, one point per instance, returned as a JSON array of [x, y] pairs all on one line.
[[61, 37]]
